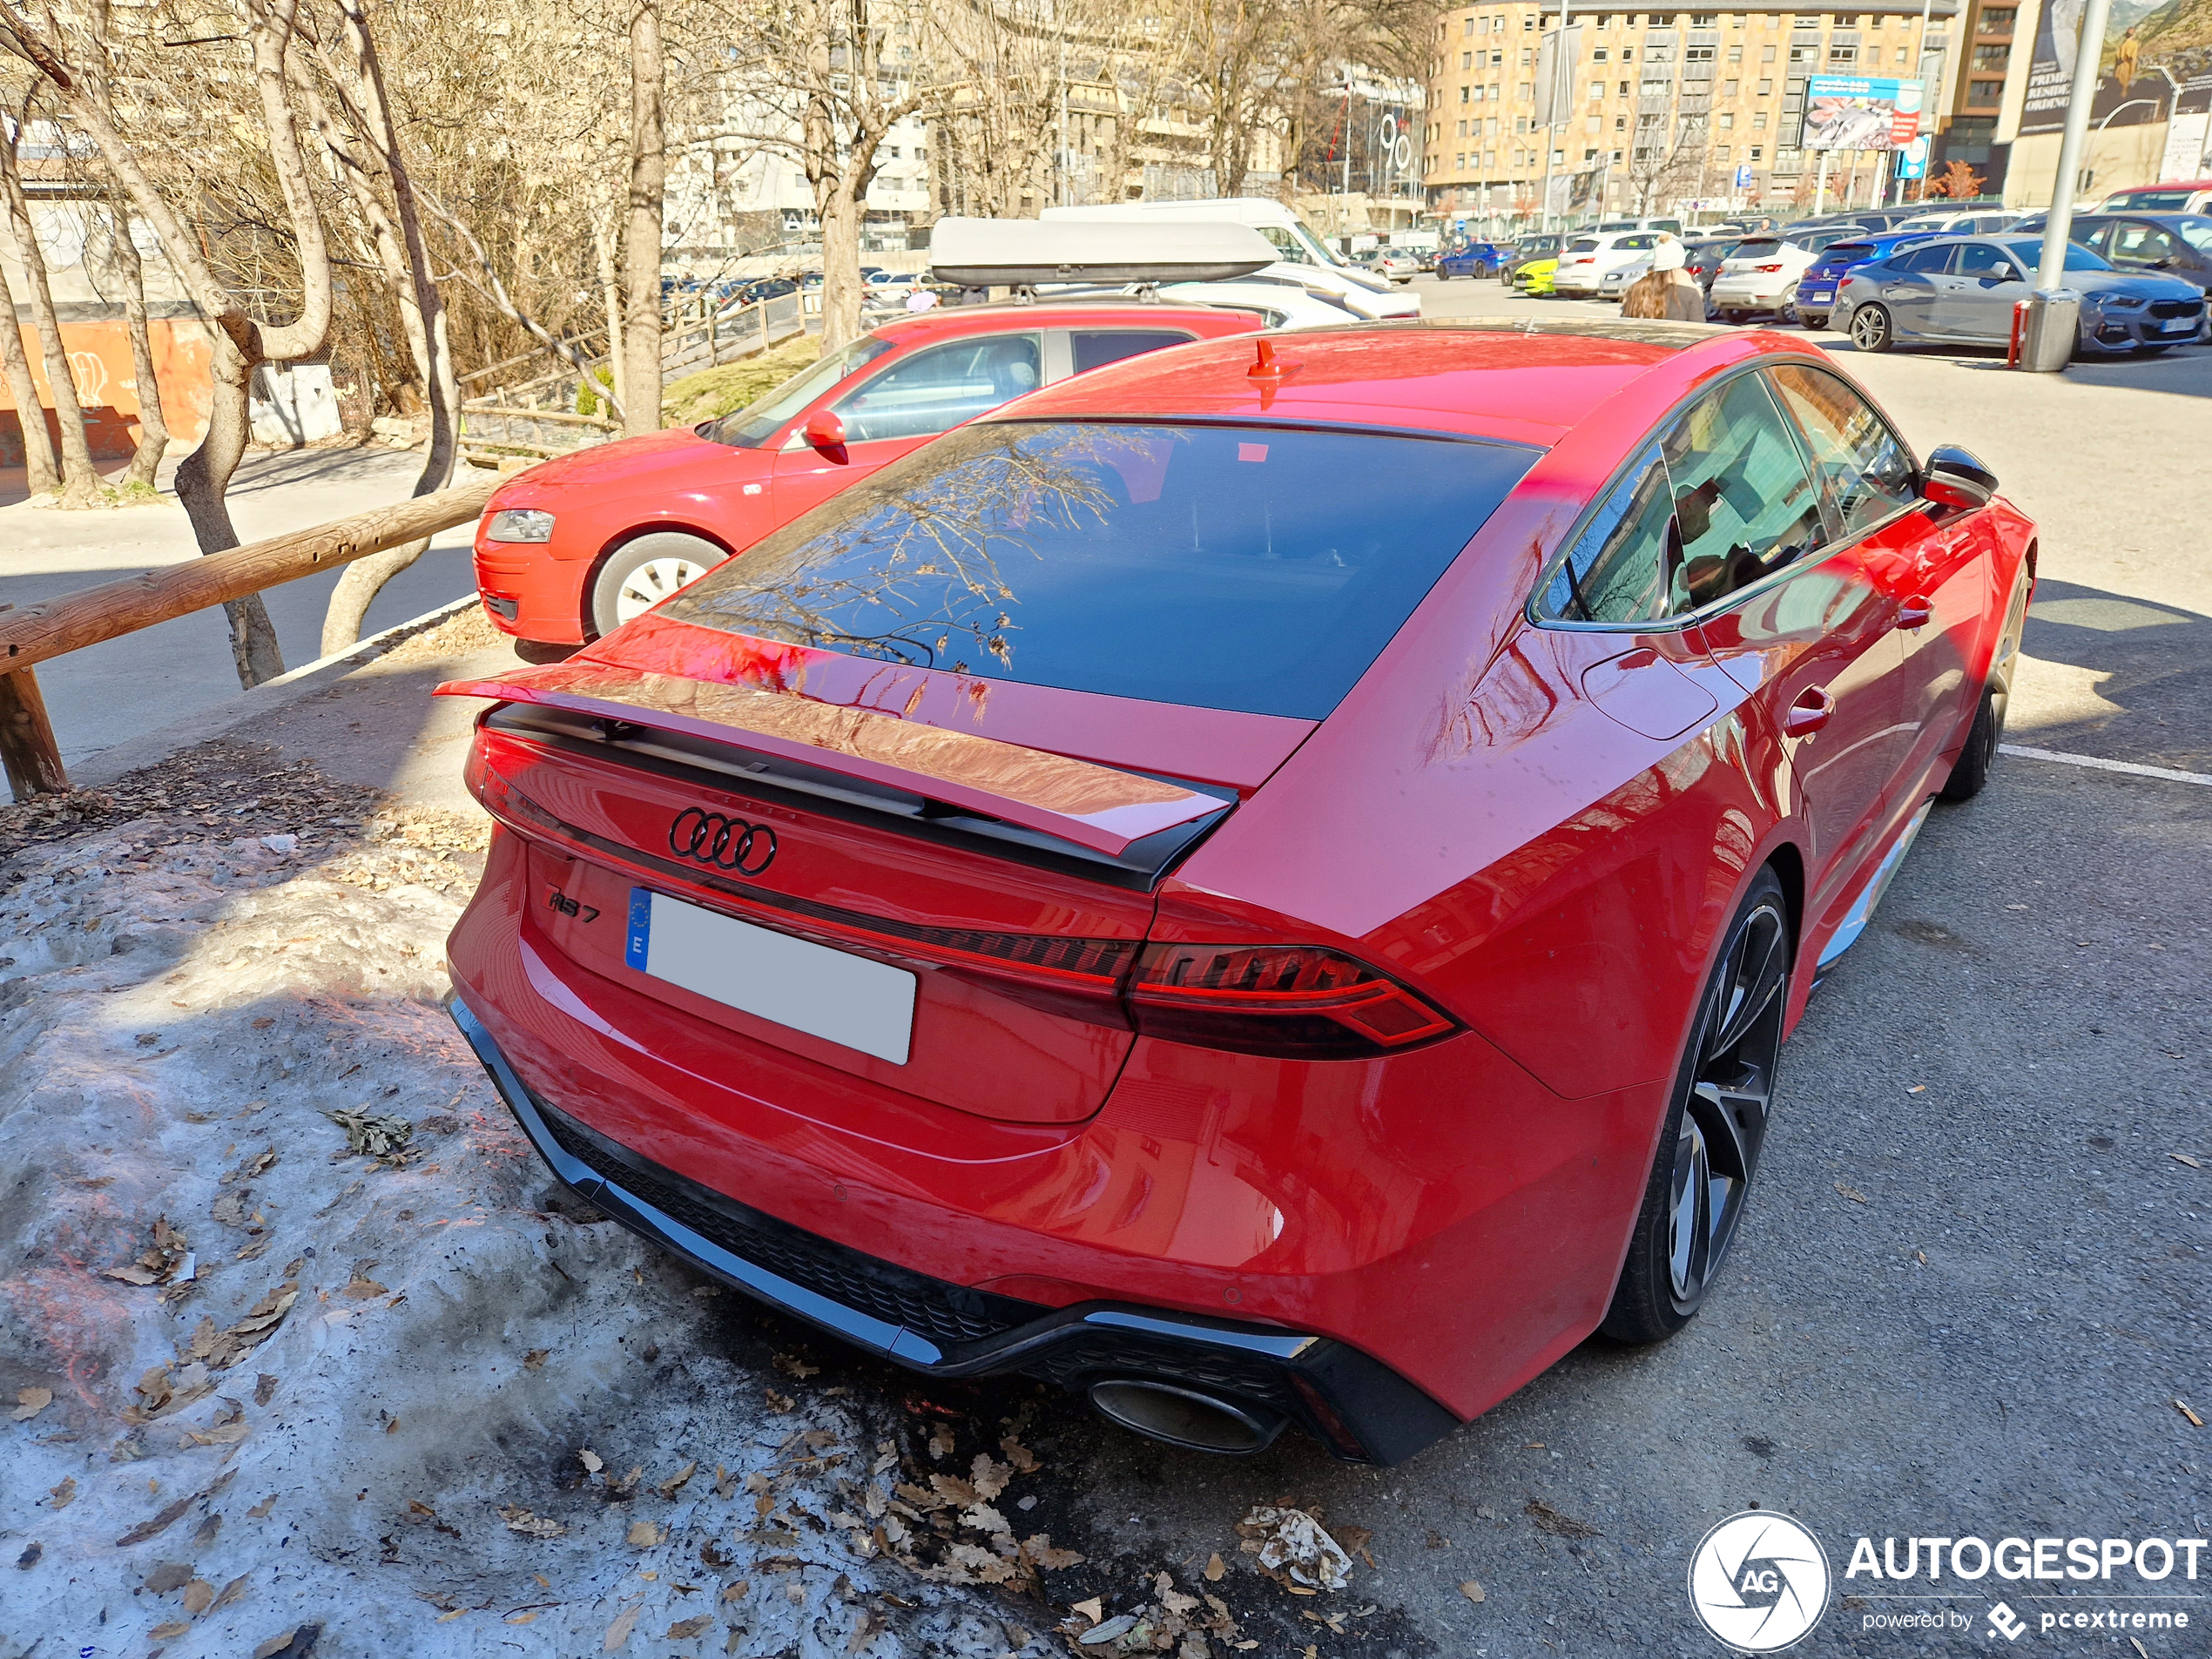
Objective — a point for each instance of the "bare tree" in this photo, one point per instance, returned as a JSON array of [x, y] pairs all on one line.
[[80, 481], [241, 342], [42, 476], [640, 348]]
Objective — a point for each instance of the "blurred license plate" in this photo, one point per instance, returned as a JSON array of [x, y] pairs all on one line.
[[828, 994], [1822, 293], [2178, 325]]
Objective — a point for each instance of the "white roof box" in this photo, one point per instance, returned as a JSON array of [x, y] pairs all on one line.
[[989, 252]]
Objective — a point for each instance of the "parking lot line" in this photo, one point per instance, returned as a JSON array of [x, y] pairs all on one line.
[[2128, 766]]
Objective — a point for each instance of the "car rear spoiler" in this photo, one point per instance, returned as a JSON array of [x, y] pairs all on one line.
[[1098, 807]]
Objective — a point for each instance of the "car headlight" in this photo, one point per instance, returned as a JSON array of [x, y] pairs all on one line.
[[2116, 301], [520, 525]]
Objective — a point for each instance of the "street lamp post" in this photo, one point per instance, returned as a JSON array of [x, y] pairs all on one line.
[[2052, 320], [1559, 54]]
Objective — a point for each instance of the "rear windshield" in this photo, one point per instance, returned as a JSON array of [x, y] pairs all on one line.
[[1751, 247], [1850, 250], [2149, 202], [1260, 569], [1581, 245]]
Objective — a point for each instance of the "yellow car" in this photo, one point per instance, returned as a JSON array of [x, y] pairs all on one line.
[[1535, 278]]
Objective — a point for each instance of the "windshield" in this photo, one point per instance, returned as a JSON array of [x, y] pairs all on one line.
[[1218, 567], [2198, 232], [756, 422], [2078, 258], [1581, 245]]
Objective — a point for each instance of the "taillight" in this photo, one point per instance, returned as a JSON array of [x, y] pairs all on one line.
[[1295, 1001], [1766, 267]]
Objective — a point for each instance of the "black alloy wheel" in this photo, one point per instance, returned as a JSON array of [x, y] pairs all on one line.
[[1971, 771], [1870, 329], [1715, 1126]]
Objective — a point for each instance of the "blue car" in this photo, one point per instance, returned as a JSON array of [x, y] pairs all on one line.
[[1816, 288], [1470, 259]]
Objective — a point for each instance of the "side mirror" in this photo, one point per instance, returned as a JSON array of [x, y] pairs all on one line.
[[1955, 479], [825, 432], [2003, 272]]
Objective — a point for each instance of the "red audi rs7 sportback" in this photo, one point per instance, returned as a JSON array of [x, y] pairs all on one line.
[[1265, 883]]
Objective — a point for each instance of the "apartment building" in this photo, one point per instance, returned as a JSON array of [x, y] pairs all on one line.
[[1659, 109]]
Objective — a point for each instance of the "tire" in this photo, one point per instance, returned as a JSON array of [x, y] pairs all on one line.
[[1870, 331], [640, 574], [1715, 1124], [1813, 319], [1735, 319], [1970, 773]]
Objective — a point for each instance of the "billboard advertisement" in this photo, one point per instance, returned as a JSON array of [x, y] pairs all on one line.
[[1854, 113], [2140, 73]]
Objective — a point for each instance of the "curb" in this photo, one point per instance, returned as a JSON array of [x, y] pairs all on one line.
[[264, 699]]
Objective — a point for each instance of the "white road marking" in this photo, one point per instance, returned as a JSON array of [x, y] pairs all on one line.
[[2127, 767]]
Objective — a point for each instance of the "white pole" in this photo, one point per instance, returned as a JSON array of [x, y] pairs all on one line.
[[1558, 55], [2088, 55], [1820, 188]]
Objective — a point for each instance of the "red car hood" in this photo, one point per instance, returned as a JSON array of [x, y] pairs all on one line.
[[626, 462]]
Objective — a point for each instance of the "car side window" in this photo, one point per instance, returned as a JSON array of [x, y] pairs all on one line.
[[1924, 261], [1980, 260], [2137, 244], [1094, 348], [1616, 571], [1867, 472], [1744, 504], [937, 388]]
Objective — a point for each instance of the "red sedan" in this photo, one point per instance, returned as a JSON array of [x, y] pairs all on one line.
[[575, 548], [1262, 888]]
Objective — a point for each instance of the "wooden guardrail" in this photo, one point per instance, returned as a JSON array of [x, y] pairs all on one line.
[[36, 633]]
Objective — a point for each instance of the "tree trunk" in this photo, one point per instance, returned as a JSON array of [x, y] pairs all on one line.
[[128, 274], [422, 313], [41, 476], [840, 217], [648, 181], [80, 480], [202, 478], [611, 291]]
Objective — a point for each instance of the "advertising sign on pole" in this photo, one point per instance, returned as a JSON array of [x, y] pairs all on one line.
[[2148, 63], [1854, 113], [1743, 177], [1912, 160]]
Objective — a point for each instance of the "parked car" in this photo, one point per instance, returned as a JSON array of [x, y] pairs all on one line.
[[1761, 275], [1816, 296], [1398, 264], [1961, 290], [1534, 277], [1104, 964], [765, 288], [1470, 259], [2194, 196], [1528, 249], [1587, 258], [2176, 244], [1276, 305], [1704, 259], [571, 548], [1971, 221]]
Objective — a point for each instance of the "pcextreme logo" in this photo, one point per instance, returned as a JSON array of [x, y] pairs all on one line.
[[1759, 1582]]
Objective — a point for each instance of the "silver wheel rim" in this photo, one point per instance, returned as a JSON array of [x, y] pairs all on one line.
[[1866, 328], [652, 582]]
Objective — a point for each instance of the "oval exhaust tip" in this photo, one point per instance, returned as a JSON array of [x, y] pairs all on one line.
[[1184, 1417]]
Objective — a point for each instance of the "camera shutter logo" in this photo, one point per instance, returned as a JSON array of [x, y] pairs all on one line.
[[1759, 1582]]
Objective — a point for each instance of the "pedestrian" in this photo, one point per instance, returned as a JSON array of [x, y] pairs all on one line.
[[1667, 290], [922, 300]]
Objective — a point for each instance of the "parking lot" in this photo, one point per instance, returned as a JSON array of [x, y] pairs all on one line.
[[1968, 1298]]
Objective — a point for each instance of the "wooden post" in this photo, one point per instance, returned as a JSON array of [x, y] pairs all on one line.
[[34, 761]]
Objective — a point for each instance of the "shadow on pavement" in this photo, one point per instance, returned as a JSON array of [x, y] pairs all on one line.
[[2156, 662]]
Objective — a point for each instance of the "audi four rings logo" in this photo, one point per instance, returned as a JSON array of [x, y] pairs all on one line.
[[726, 843]]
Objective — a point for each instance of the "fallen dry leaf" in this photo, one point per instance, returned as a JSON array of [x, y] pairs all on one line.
[[618, 1632], [591, 1460], [160, 1523], [31, 1401], [231, 1592], [780, 1403], [1471, 1590], [644, 1534], [675, 1482], [164, 1632], [167, 1576], [261, 1510], [535, 1358], [686, 1630], [199, 1595], [2182, 1406], [792, 1366], [522, 1618], [1093, 1610], [1215, 1570], [65, 1494], [1853, 1193], [1549, 1520], [522, 1521], [2183, 1157]]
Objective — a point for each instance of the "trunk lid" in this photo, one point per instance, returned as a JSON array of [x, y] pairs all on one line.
[[1006, 888]]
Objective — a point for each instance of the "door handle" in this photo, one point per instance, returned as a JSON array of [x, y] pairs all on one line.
[[1809, 713], [1915, 611]]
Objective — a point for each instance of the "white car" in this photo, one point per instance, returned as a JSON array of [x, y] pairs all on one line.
[[1277, 305], [1984, 221], [1615, 283], [1363, 302], [1587, 258], [1762, 274]]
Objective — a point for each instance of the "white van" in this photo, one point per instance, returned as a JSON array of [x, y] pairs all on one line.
[[1294, 240]]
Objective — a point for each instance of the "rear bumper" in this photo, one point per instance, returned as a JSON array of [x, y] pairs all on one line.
[[1354, 1405]]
